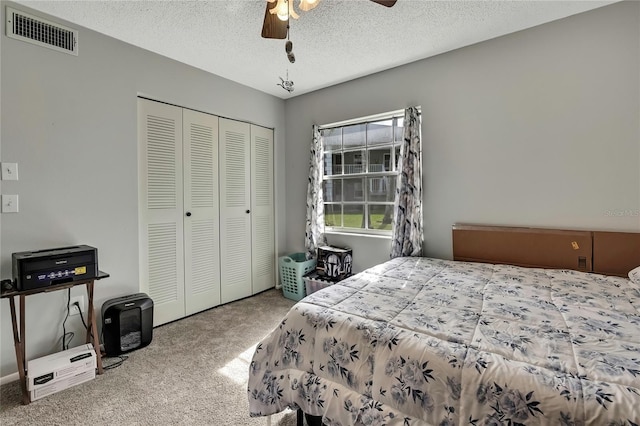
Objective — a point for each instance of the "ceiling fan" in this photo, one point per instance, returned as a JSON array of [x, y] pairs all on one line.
[[277, 13]]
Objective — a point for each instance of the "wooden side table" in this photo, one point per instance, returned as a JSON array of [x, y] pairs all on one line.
[[19, 335]]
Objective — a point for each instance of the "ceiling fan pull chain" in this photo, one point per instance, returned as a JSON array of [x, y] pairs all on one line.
[[288, 46]]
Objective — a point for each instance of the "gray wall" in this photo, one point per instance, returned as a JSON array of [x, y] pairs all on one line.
[[70, 124], [536, 128]]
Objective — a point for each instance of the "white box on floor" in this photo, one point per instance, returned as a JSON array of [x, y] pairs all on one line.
[[62, 384], [61, 365]]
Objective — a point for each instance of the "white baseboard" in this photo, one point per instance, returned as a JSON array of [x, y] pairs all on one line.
[[9, 378]]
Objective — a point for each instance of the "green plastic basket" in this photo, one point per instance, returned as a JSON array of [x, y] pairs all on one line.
[[292, 268]]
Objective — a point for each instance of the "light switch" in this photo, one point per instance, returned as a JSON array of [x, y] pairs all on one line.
[[9, 171], [10, 203]]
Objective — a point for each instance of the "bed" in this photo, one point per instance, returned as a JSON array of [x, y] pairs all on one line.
[[422, 341]]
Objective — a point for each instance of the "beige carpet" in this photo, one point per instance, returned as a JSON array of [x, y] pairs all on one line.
[[194, 372]]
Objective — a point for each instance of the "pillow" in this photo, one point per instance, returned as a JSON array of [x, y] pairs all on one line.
[[634, 275]]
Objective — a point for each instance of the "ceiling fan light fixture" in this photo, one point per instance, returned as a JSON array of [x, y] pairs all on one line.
[[281, 10], [277, 27], [284, 10], [292, 12], [306, 5]]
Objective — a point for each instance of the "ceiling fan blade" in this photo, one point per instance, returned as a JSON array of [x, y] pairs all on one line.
[[387, 3], [273, 27]]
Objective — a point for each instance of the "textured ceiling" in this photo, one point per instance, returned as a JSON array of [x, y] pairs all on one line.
[[335, 42]]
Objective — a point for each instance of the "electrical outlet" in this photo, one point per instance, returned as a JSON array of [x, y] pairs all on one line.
[[73, 309]]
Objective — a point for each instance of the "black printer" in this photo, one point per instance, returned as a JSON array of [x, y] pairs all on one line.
[[43, 268]]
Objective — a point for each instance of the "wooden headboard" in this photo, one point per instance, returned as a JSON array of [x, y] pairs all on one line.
[[610, 253], [615, 253]]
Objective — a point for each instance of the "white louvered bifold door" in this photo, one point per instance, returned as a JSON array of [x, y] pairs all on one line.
[[201, 218], [262, 209], [235, 210], [161, 208]]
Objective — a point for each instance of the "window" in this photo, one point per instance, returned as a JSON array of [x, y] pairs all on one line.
[[360, 172]]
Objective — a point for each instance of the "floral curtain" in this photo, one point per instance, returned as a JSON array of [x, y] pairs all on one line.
[[314, 234], [406, 234]]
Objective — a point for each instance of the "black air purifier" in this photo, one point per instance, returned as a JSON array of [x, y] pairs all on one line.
[[127, 323]]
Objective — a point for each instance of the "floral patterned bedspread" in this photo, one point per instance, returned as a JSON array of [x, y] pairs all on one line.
[[420, 341]]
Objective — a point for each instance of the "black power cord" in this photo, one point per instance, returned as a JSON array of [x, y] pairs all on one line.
[[6, 285], [121, 358], [77, 305], [70, 334]]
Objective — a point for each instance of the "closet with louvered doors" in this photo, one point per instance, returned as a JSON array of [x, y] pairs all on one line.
[[206, 209], [247, 240], [179, 210]]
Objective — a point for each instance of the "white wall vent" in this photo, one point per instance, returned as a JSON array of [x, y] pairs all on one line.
[[32, 29]]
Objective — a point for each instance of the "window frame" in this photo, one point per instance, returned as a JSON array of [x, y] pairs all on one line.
[[367, 176]]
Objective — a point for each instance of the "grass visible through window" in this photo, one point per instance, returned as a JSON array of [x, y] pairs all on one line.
[[355, 220]]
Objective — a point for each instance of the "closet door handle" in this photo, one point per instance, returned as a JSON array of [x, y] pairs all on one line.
[[188, 214], [248, 211]]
